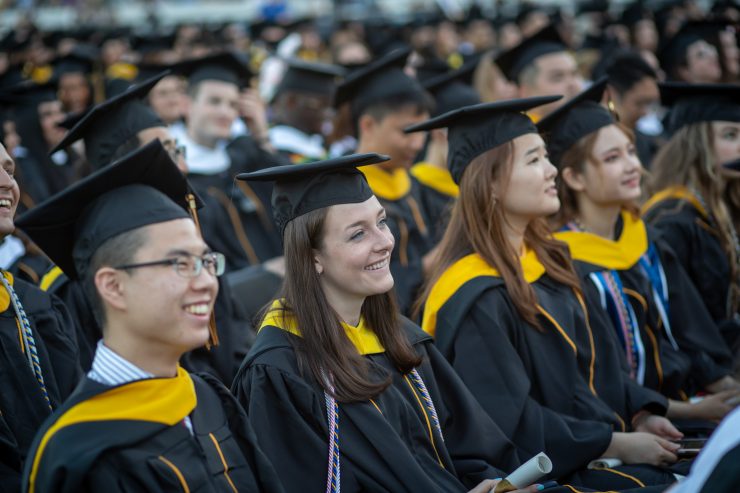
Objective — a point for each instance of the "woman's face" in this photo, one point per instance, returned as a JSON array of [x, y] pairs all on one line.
[[530, 192], [614, 178], [354, 257], [50, 115], [726, 142]]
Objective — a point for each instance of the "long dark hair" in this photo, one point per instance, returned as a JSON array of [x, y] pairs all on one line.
[[477, 226], [324, 348]]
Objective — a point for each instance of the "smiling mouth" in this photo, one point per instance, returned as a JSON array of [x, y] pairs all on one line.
[[198, 308], [379, 265], [6, 203]]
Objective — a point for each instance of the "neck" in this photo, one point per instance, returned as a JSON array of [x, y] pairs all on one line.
[[201, 139], [436, 155], [349, 308], [514, 228], [598, 219], [151, 357]]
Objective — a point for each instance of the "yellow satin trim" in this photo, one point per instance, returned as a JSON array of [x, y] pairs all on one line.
[[49, 278], [42, 74], [4, 295], [388, 185], [620, 254], [121, 70], [677, 192], [363, 338], [435, 178], [158, 400], [464, 270]]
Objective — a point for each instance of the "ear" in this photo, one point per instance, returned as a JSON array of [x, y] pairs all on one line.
[[317, 262], [110, 288], [575, 181], [366, 124]]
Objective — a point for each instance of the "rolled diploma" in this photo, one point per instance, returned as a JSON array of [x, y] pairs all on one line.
[[526, 474]]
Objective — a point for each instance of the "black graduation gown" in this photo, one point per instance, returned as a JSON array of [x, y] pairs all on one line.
[[687, 227], [23, 408], [409, 223], [234, 330], [387, 444], [132, 438], [438, 193], [530, 380]]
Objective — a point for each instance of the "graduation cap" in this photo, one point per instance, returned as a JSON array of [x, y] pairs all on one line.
[[694, 103], [634, 13], [473, 130], [79, 60], [431, 67], [574, 120], [227, 67], [144, 187], [545, 41], [672, 54], [112, 123], [302, 188], [377, 81], [317, 78], [33, 94], [453, 89], [153, 42]]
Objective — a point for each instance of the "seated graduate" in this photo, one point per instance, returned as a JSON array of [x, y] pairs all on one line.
[[668, 340], [506, 308], [336, 369], [39, 365], [687, 208], [138, 421], [109, 131]]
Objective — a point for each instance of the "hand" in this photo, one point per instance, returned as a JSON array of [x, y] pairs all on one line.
[[657, 425], [489, 485], [724, 383], [252, 109], [714, 407], [642, 448]]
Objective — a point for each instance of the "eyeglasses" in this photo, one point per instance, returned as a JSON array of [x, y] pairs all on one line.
[[188, 266]]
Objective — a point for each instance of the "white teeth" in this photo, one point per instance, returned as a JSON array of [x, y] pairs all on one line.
[[378, 265], [199, 309], [5, 203]]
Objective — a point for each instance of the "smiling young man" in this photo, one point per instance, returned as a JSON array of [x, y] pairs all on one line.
[[38, 355], [139, 421]]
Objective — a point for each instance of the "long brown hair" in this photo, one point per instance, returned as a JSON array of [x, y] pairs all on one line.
[[324, 348], [477, 226], [577, 157], [688, 159]]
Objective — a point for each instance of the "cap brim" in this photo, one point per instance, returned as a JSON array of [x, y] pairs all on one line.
[[299, 171], [594, 93], [512, 105]]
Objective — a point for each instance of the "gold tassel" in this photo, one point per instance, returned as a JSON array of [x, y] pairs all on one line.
[[212, 330]]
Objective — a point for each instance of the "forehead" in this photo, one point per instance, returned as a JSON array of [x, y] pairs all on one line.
[[178, 234], [209, 88], [560, 60], [610, 136], [342, 215]]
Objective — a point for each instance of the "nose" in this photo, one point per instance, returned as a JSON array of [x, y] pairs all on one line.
[[385, 240], [205, 281], [6, 181], [550, 170]]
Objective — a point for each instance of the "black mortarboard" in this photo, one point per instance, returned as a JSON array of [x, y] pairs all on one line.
[[545, 41], [377, 81], [694, 103], [574, 120], [431, 67], [112, 123], [34, 94], [153, 42], [80, 60], [634, 13], [453, 90], [143, 188], [302, 188], [672, 53], [317, 78], [226, 67], [473, 130]]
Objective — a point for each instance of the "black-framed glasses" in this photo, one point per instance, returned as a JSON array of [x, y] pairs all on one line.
[[187, 265]]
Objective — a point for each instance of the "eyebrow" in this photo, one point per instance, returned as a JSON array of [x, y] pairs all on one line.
[[180, 251], [381, 211], [532, 150]]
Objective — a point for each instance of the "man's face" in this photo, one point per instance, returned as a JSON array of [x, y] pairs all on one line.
[[162, 308], [556, 73], [213, 110], [307, 111], [9, 193], [637, 101], [74, 92], [387, 137], [50, 115], [702, 64]]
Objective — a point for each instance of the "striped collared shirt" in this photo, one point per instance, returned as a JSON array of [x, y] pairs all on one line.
[[111, 369]]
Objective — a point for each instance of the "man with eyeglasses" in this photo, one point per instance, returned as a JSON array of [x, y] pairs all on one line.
[[138, 421], [301, 109]]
